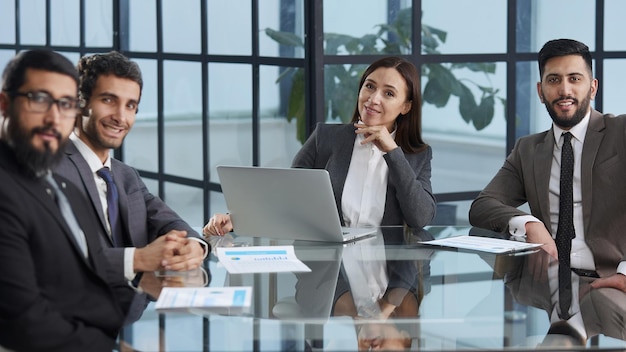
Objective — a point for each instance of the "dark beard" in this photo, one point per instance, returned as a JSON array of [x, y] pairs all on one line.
[[579, 114], [35, 163]]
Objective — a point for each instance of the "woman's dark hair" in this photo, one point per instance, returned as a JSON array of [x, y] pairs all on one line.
[[409, 125]]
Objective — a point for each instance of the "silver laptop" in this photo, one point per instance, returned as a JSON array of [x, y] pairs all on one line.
[[284, 203]]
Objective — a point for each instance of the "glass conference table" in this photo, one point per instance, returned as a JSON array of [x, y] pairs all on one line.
[[387, 291]]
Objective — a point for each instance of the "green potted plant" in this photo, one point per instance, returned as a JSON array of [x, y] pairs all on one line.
[[340, 81]]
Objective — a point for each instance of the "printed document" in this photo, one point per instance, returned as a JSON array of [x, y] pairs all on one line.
[[483, 244], [219, 300], [260, 259]]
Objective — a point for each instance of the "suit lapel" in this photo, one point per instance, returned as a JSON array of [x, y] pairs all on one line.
[[542, 164], [41, 191], [87, 179], [591, 145], [339, 172]]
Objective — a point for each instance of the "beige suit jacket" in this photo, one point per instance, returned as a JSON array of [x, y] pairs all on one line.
[[525, 176]]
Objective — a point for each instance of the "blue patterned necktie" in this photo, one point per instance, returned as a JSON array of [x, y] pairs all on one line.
[[565, 230], [68, 214], [113, 206]]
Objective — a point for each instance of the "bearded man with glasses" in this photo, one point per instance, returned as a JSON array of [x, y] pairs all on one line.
[[54, 294]]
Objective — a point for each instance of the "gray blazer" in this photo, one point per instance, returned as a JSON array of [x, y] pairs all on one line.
[[409, 194], [144, 216], [525, 176]]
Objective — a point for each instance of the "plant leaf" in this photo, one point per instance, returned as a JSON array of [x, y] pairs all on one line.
[[334, 41], [435, 93], [295, 107], [285, 38], [484, 113], [440, 34], [486, 67], [467, 104]]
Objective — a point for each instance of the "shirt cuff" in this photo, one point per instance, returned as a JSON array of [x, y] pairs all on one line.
[[205, 245], [621, 268], [517, 225], [129, 255]]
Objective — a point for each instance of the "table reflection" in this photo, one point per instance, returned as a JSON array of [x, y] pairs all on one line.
[[364, 283], [153, 282], [390, 292], [533, 281]]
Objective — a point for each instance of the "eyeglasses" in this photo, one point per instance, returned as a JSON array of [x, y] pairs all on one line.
[[42, 102]]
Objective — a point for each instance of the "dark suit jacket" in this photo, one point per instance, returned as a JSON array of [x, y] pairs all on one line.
[[144, 216], [525, 176], [409, 193], [51, 297]]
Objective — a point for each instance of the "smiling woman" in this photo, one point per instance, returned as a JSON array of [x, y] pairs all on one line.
[[379, 165]]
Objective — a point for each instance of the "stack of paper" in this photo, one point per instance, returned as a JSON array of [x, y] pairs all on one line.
[[218, 300], [484, 244], [260, 259]]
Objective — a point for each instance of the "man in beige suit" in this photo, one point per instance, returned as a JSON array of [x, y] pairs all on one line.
[[531, 173]]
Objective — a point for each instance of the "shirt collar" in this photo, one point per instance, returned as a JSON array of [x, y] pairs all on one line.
[[578, 132], [92, 159]]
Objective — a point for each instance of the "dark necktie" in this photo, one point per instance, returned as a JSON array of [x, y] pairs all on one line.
[[68, 214], [565, 230], [113, 204]]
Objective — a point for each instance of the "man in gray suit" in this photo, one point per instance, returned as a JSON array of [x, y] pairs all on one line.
[[144, 234], [531, 173]]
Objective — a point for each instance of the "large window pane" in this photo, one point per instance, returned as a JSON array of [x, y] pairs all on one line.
[[181, 26], [7, 22], [614, 11], [32, 22], [287, 17], [5, 57], [445, 113], [186, 202], [142, 25], [141, 144], [525, 97], [279, 142], [552, 20], [65, 28], [230, 34], [612, 87], [217, 203], [230, 115], [359, 33], [183, 118], [467, 135], [99, 23], [341, 88], [465, 25]]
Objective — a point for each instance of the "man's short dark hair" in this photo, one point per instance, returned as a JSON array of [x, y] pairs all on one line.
[[91, 67], [14, 73], [563, 47]]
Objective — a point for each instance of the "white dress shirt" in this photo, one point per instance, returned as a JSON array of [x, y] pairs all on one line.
[[95, 164], [365, 188]]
